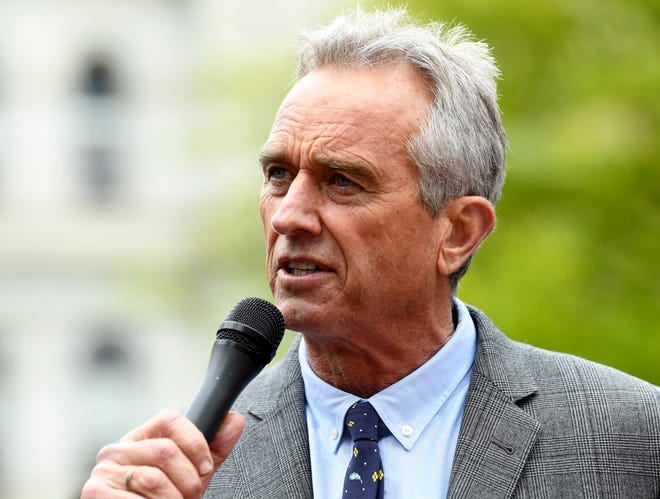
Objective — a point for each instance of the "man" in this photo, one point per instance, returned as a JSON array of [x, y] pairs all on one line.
[[381, 173]]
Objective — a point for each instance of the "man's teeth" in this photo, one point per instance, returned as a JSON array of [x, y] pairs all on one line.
[[302, 268]]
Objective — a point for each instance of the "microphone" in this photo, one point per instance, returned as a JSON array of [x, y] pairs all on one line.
[[245, 342]]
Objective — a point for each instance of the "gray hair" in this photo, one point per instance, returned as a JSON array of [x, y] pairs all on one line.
[[460, 149]]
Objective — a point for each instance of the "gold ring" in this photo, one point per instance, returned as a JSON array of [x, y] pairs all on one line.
[[129, 476]]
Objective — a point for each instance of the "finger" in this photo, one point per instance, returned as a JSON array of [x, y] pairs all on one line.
[[223, 442], [175, 426], [98, 489], [118, 481], [149, 481], [226, 437], [161, 453]]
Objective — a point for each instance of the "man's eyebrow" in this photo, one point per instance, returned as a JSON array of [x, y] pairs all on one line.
[[335, 162], [267, 157], [323, 159]]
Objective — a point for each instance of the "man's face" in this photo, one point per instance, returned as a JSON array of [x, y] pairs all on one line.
[[348, 243]]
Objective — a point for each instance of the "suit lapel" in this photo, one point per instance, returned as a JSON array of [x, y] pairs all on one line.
[[278, 422], [496, 435]]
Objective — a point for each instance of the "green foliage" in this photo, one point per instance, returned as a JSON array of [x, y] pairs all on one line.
[[240, 99], [573, 264]]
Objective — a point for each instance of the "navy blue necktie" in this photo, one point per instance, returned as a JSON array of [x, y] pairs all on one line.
[[364, 476]]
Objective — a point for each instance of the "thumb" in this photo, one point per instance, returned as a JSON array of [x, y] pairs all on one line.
[[225, 439]]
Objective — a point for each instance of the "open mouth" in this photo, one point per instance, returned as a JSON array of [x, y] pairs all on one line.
[[302, 268]]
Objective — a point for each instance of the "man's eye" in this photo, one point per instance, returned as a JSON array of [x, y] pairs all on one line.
[[342, 181], [277, 173]]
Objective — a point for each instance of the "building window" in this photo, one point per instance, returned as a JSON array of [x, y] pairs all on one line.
[[100, 167], [108, 353]]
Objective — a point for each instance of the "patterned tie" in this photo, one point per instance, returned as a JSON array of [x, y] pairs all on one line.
[[364, 476]]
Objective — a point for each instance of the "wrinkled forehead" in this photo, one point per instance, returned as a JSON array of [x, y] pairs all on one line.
[[385, 103]]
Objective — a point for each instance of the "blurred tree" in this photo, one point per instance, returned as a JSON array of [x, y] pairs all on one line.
[[573, 264]]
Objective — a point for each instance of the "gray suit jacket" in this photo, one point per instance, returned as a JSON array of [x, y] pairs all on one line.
[[536, 425]]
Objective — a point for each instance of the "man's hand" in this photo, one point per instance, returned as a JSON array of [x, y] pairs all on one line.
[[167, 457]]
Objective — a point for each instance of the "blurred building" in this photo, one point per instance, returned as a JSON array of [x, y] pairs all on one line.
[[90, 112], [95, 187]]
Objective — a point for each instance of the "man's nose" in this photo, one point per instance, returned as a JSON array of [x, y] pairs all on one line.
[[297, 212]]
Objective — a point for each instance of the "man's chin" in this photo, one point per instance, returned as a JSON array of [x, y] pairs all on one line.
[[302, 315]]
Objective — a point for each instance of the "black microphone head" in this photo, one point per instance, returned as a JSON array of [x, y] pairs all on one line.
[[255, 324]]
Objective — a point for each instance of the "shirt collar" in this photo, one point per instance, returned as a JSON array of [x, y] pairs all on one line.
[[407, 406], [328, 405]]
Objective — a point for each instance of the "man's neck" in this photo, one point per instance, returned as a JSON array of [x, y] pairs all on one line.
[[376, 360]]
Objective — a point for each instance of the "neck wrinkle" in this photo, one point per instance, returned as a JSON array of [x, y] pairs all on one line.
[[363, 372]]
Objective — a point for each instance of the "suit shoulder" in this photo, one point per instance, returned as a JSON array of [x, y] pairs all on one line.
[[578, 375], [554, 385], [592, 401]]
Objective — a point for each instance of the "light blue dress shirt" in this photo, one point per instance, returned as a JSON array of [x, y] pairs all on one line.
[[423, 412]]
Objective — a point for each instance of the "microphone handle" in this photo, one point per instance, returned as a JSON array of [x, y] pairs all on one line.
[[229, 371]]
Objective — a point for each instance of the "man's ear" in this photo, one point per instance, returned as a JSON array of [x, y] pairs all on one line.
[[467, 221]]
